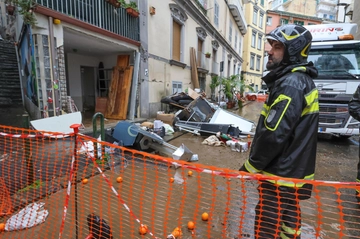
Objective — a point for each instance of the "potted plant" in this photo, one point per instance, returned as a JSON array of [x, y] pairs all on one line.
[[132, 9], [207, 54]]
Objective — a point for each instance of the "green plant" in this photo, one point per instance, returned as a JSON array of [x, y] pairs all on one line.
[[35, 185], [132, 5], [215, 82], [122, 3], [26, 10], [207, 54], [243, 86], [229, 85]]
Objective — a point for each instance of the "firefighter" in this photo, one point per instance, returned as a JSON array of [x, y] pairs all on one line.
[[354, 111], [285, 139]]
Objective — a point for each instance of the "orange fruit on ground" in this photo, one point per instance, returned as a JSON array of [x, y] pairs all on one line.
[[176, 233], [119, 179], [190, 173], [171, 180], [2, 227], [143, 229], [205, 216], [191, 225], [85, 181]]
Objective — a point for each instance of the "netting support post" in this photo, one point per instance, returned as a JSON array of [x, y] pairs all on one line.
[[102, 132], [76, 127], [29, 162], [26, 121]]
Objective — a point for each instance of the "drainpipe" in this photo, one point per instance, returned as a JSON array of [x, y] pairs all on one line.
[[134, 86], [52, 66]]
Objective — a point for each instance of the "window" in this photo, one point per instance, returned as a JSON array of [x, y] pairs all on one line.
[[262, 2], [229, 65], [311, 23], [240, 44], [261, 20], [259, 43], [216, 14], [252, 61], [178, 23], [203, 3], [176, 43], [258, 60], [299, 23], [176, 87], [284, 21], [235, 43], [230, 31], [253, 39], [269, 21], [255, 16]]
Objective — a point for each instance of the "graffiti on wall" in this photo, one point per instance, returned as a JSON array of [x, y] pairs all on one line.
[[28, 66]]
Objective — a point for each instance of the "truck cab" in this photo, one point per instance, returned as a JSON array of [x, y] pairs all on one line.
[[336, 55]]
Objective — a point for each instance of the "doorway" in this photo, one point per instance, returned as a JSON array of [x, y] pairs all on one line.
[[88, 82]]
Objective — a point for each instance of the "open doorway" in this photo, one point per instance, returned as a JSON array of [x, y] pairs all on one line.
[[88, 83]]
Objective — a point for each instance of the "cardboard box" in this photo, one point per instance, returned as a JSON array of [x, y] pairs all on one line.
[[149, 125], [166, 118]]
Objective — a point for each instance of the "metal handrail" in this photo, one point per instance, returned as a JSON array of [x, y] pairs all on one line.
[[98, 13]]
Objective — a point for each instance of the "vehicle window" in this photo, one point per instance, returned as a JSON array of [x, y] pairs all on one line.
[[336, 61]]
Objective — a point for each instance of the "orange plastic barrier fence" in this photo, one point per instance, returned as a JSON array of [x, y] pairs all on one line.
[[71, 186]]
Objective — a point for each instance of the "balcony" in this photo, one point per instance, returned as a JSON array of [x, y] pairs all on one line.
[[98, 13], [215, 69], [202, 62], [326, 9], [328, 2], [238, 14]]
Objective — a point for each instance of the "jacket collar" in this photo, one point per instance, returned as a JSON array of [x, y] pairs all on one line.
[[272, 76]]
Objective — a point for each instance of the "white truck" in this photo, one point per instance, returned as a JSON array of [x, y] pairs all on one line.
[[336, 55]]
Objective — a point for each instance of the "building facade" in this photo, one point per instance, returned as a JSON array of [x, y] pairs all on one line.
[[253, 52], [303, 7], [187, 38]]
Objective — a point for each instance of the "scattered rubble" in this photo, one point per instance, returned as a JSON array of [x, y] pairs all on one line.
[[194, 114]]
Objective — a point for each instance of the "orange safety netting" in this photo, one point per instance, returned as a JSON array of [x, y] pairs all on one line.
[[86, 187], [5, 199]]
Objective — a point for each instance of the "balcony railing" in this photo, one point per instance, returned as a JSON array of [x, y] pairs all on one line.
[[202, 61], [326, 9], [238, 13], [215, 69], [98, 13]]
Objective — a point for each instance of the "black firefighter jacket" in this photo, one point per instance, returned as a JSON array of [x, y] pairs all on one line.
[[354, 111], [285, 140]]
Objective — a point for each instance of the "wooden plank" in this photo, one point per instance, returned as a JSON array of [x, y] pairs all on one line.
[[180, 106], [100, 105], [112, 93], [194, 73], [193, 94], [118, 101], [123, 60]]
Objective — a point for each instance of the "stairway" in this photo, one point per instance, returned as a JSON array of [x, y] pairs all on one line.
[[11, 107], [10, 90]]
